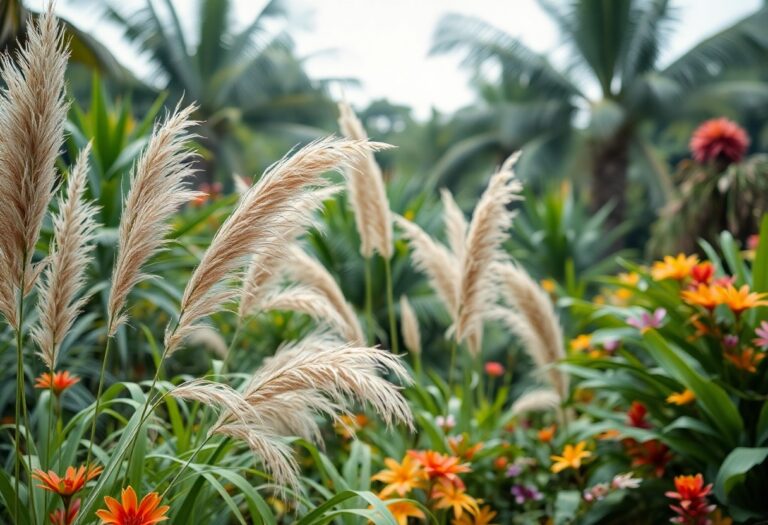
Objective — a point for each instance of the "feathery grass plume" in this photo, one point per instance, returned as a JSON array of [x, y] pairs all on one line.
[[157, 191], [207, 337], [410, 326], [455, 224], [367, 193], [281, 198], [539, 400], [241, 183], [265, 266], [306, 300], [436, 261], [534, 321], [74, 228], [305, 269], [32, 114], [487, 231]]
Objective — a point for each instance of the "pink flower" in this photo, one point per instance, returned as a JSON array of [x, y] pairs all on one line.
[[494, 369], [762, 335], [646, 321]]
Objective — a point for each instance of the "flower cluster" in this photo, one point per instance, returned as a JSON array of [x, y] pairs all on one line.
[[691, 504]]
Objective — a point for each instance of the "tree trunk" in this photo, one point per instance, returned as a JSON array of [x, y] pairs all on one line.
[[610, 163]]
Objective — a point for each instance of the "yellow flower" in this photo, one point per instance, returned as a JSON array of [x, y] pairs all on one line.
[[548, 285], [483, 517], [409, 215], [451, 495], [571, 458], [739, 299], [718, 518], [401, 478], [685, 397], [674, 267], [402, 510], [747, 360], [630, 279], [581, 342]]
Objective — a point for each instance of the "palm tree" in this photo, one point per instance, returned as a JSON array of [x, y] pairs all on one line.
[[242, 79], [613, 80]]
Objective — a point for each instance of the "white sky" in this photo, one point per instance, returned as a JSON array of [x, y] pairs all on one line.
[[385, 43]]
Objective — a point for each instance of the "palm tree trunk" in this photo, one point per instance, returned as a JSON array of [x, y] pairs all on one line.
[[610, 163]]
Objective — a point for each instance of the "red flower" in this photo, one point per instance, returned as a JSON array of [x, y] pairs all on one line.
[[652, 453], [636, 415], [65, 516], [59, 383], [719, 139], [131, 512], [692, 507], [703, 272], [494, 369]]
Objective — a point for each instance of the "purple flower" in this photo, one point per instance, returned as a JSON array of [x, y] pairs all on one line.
[[523, 493], [731, 341], [514, 470], [611, 345], [762, 335], [646, 321]]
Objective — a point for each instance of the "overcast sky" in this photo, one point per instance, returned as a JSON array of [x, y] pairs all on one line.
[[385, 43]]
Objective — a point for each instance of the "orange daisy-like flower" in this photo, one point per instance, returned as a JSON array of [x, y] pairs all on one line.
[[685, 397], [484, 516], [546, 434], [401, 478], [703, 295], [677, 268], [719, 139], [402, 510], [131, 512], [739, 299], [450, 495], [72, 482], [58, 383], [747, 360], [461, 447], [438, 465], [581, 342], [571, 458]]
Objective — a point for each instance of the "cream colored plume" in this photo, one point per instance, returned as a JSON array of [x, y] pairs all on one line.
[[488, 229], [32, 114], [367, 194], [306, 300], [534, 321], [410, 326], [436, 261], [157, 191], [310, 378], [74, 228], [455, 224], [539, 400], [208, 337], [303, 268], [270, 209]]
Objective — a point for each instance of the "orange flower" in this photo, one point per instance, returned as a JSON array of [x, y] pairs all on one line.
[[65, 516], [703, 295], [494, 369], [461, 447], [451, 495], [681, 398], [609, 435], [72, 482], [571, 458], [348, 425], [402, 510], [547, 433], [484, 516], [131, 512], [438, 465], [581, 342], [747, 360], [739, 299], [59, 383], [401, 477], [691, 499], [703, 272], [677, 268], [549, 285]]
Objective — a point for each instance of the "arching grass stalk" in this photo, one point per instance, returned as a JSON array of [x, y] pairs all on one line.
[[98, 396], [369, 301], [186, 464], [393, 343]]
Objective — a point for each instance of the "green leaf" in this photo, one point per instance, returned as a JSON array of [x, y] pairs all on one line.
[[735, 467], [760, 264]]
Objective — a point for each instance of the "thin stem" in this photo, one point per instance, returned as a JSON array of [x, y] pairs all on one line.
[[186, 464], [369, 301], [98, 395], [452, 364], [393, 343], [231, 348]]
